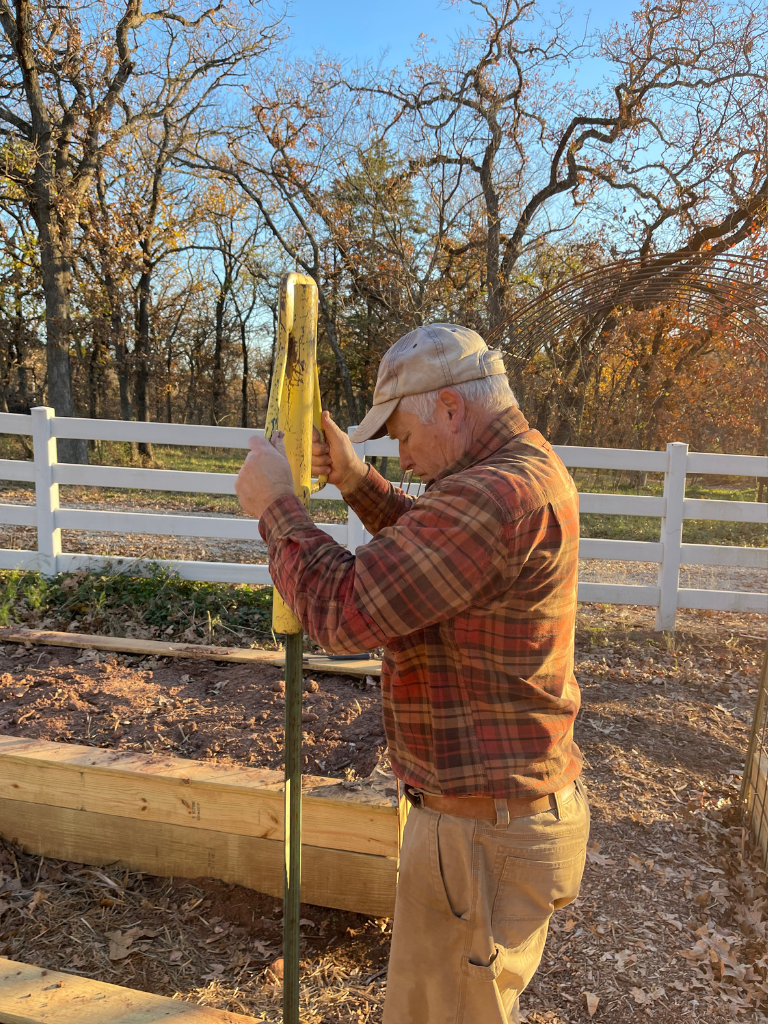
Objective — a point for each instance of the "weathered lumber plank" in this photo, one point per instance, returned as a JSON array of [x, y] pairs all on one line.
[[196, 795], [330, 878], [32, 995], [165, 649], [758, 802]]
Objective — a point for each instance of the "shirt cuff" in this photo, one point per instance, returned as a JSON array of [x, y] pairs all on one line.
[[283, 517], [361, 486], [367, 497]]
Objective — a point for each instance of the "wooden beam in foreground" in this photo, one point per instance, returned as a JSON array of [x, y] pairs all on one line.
[[197, 794], [329, 878], [32, 995], [177, 817], [359, 668]]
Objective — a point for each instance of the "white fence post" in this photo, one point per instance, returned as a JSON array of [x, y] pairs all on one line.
[[357, 535], [46, 491], [671, 535]]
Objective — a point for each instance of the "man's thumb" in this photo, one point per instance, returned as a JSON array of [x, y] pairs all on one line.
[[278, 443], [330, 427]]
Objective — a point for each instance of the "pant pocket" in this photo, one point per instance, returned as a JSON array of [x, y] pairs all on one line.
[[452, 852], [532, 885]]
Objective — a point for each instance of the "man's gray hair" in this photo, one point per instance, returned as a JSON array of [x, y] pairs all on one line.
[[492, 393]]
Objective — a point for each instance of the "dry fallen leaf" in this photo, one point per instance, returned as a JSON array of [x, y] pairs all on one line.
[[277, 967], [595, 857], [591, 1000], [120, 942], [624, 957], [642, 997], [38, 898]]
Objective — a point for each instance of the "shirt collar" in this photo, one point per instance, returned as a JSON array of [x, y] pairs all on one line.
[[506, 426]]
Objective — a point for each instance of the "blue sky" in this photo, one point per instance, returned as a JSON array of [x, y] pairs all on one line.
[[362, 31]]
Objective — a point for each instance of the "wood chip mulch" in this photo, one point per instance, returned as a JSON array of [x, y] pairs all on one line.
[[671, 924]]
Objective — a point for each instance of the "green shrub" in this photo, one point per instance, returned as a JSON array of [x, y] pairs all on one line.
[[158, 603]]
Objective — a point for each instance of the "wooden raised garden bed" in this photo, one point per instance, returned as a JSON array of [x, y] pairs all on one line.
[[172, 816]]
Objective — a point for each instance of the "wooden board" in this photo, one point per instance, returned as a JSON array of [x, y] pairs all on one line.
[[757, 805], [32, 995], [330, 878], [359, 668], [197, 795]]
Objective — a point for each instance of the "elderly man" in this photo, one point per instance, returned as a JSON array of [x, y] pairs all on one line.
[[471, 590]]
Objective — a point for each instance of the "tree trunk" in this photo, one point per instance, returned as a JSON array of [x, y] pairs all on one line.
[[168, 388], [493, 279], [142, 355], [118, 343], [6, 369], [56, 287], [123, 378], [271, 358], [341, 363], [95, 370], [218, 388], [24, 403], [245, 381]]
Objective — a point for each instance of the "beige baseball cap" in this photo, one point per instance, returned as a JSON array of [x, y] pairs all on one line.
[[427, 359]]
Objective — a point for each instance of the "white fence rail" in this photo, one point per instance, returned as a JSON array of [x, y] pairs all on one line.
[[669, 553]]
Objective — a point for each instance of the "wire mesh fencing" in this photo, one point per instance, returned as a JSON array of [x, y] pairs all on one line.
[[754, 790]]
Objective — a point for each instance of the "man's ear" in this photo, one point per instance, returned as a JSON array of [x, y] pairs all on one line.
[[453, 405]]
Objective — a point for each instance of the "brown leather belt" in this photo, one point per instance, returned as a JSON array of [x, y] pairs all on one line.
[[485, 806]]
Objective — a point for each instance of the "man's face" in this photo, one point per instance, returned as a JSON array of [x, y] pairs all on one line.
[[425, 448]]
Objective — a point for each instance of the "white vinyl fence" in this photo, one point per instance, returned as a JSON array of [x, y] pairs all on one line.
[[669, 552]]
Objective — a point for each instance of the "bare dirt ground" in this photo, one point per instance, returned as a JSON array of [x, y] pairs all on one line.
[[231, 714], [671, 923]]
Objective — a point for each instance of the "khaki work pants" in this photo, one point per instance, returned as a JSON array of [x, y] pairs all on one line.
[[472, 910]]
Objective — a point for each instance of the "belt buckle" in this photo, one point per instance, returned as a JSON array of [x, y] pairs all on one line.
[[415, 797]]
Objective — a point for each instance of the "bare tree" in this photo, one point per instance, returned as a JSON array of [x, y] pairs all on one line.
[[20, 314], [63, 79], [664, 156]]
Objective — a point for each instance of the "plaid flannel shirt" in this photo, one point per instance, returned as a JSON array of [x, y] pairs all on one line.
[[471, 590]]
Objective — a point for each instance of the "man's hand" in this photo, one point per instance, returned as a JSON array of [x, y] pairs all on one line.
[[335, 457], [265, 476]]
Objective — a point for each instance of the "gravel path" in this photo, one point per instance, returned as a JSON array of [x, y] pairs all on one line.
[[139, 545], [698, 577]]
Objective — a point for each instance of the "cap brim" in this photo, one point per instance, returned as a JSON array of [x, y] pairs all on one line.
[[375, 423]]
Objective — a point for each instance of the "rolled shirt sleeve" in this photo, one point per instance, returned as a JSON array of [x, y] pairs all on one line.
[[377, 502], [437, 559]]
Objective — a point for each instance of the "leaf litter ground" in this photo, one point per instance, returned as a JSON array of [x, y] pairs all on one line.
[[671, 922]]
